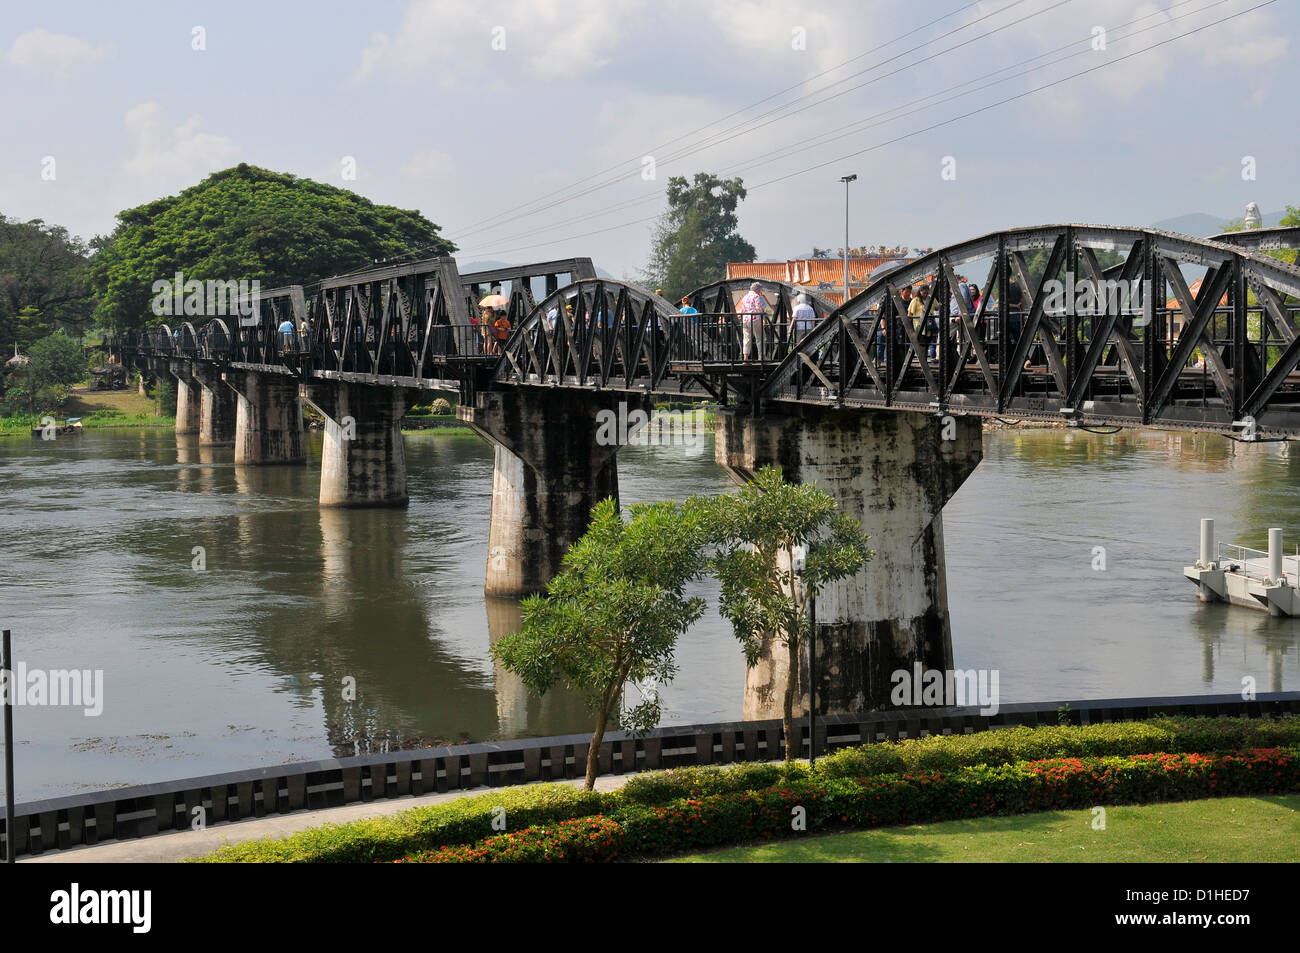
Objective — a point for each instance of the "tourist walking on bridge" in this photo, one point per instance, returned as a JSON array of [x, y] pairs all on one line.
[[286, 335], [804, 317], [752, 308], [916, 311], [500, 332]]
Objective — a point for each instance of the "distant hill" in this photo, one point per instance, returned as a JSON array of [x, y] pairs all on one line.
[[1202, 225]]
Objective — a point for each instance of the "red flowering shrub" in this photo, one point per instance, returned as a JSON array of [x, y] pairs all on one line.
[[636, 830], [595, 838]]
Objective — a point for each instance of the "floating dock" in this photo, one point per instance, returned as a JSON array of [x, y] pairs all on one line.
[[1247, 577]]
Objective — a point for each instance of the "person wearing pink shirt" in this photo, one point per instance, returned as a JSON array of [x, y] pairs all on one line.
[[752, 308]]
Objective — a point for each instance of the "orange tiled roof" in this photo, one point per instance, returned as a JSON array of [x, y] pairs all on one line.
[[1195, 289], [806, 271], [766, 270]]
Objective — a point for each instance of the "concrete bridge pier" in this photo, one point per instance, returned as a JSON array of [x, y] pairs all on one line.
[[217, 404], [894, 471], [187, 396], [363, 459], [268, 418], [550, 470]]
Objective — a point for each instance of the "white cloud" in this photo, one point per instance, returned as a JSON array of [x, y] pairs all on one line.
[[166, 156], [1249, 41], [450, 42], [432, 164], [763, 31], [57, 55]]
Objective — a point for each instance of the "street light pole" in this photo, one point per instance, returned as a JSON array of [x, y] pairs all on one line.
[[7, 664], [846, 179], [812, 679]]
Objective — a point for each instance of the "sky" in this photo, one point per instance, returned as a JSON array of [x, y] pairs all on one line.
[[533, 130]]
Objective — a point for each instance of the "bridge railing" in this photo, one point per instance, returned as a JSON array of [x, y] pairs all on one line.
[[729, 338], [409, 352], [992, 327], [1254, 562]]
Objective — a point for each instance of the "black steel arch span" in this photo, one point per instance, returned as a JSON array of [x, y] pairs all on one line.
[[1050, 361], [596, 332], [622, 336], [410, 324], [1262, 239]]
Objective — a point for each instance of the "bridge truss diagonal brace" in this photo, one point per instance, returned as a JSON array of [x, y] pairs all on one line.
[[894, 471], [555, 458]]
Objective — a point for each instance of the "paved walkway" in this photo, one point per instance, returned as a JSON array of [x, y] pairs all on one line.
[[169, 847]]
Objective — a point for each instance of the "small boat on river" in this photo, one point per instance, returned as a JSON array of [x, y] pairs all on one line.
[[70, 428]]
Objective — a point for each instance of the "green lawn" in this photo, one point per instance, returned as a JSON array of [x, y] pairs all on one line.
[[1218, 829]]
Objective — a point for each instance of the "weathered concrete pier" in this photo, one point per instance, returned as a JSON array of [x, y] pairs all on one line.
[[268, 418], [550, 470], [217, 406], [187, 397], [893, 472], [363, 459]]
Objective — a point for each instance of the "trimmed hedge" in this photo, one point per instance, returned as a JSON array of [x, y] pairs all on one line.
[[467, 820], [640, 831], [462, 821], [1022, 743], [660, 787], [1002, 746]]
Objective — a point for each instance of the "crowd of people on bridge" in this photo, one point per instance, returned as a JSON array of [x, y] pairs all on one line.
[[926, 318]]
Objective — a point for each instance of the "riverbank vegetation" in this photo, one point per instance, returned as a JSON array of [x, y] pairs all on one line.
[[98, 409], [1007, 772]]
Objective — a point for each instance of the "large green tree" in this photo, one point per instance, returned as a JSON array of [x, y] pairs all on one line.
[[57, 361], [613, 616], [43, 282], [246, 224], [697, 234]]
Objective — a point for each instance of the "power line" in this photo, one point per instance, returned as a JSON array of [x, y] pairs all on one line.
[[1022, 95], [867, 122], [519, 211], [741, 110], [922, 130]]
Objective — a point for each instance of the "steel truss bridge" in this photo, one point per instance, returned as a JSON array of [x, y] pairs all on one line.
[[1222, 359]]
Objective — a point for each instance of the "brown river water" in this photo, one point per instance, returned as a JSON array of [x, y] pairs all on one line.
[[242, 664]]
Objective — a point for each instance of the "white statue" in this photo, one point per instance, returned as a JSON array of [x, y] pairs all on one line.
[[1253, 218]]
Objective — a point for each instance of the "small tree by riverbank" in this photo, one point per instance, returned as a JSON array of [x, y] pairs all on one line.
[[615, 613], [758, 530]]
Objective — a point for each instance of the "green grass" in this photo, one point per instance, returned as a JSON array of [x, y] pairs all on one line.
[[97, 409], [1225, 830]]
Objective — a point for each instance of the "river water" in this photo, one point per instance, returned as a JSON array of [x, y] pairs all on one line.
[[244, 663]]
